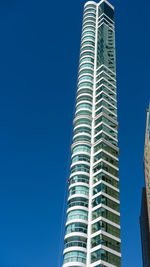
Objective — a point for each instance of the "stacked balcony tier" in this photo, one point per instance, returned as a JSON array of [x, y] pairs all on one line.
[[77, 213]]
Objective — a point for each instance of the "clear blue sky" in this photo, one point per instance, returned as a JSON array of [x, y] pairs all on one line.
[[39, 53]]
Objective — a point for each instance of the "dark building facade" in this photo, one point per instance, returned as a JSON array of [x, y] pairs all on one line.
[[144, 226]]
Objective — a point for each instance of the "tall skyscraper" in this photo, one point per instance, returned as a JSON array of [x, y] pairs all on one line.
[[92, 236], [145, 206]]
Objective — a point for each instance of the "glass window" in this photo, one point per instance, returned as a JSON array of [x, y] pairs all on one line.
[[84, 105], [86, 38], [79, 190], [107, 148], [89, 17], [105, 8], [107, 98], [86, 54], [106, 214], [74, 256], [80, 168], [84, 112], [89, 9], [88, 23], [106, 201], [107, 121], [106, 178], [79, 178], [107, 158], [78, 201], [81, 157], [88, 33], [82, 138], [85, 77], [106, 47], [106, 227], [107, 130], [81, 148], [109, 72], [107, 105], [105, 241], [82, 130], [88, 28], [91, 14], [84, 98], [87, 70], [107, 138], [86, 65], [87, 59], [84, 91], [77, 214], [105, 256], [84, 84], [76, 227], [106, 189], [103, 166], [107, 112], [82, 121], [75, 241]]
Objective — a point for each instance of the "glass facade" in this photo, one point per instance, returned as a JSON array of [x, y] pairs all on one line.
[[92, 236]]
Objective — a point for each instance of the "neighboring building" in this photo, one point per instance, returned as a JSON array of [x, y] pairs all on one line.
[[92, 236], [145, 206]]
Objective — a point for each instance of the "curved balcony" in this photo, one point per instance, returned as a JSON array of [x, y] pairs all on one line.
[[85, 81], [90, 17], [89, 12], [82, 121], [84, 90], [88, 23], [82, 129], [86, 53], [83, 112], [90, 39], [83, 106], [76, 241], [86, 59], [75, 256], [88, 33], [82, 147], [80, 213], [87, 9], [86, 65], [82, 137], [76, 227], [81, 157], [76, 129], [79, 178], [88, 28], [84, 97], [80, 167], [85, 118], [90, 4], [85, 75], [85, 43], [86, 71], [77, 200]]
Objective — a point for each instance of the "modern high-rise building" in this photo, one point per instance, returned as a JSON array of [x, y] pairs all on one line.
[[145, 206], [92, 234]]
